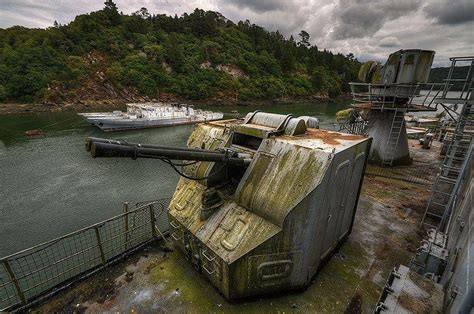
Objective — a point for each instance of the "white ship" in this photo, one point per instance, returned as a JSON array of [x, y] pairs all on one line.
[[149, 115]]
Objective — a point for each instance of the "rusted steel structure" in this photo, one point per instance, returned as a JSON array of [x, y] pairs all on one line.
[[268, 227]]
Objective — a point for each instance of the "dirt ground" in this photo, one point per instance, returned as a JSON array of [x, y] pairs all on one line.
[[385, 233]]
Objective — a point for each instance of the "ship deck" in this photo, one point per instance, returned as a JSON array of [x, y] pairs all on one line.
[[386, 233]]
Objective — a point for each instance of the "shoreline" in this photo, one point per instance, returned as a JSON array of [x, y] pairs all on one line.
[[116, 104]]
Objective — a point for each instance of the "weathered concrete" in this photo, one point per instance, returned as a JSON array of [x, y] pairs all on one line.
[[385, 233]]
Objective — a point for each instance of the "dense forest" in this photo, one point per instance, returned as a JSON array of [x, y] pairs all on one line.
[[201, 55]]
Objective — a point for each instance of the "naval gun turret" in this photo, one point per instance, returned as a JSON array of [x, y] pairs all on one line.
[[263, 202]]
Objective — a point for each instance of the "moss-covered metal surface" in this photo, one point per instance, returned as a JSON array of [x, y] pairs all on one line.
[[285, 213]]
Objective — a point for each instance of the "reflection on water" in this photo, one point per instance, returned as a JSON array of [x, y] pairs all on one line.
[[50, 186]]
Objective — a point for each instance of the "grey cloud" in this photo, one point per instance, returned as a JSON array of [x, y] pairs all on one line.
[[26, 4], [32, 13], [364, 57], [286, 16], [389, 42], [357, 19], [262, 5], [450, 12]]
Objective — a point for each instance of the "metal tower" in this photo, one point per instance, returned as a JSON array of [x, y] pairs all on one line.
[[398, 91]]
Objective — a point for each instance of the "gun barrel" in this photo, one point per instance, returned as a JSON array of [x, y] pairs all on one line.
[[110, 149], [91, 140]]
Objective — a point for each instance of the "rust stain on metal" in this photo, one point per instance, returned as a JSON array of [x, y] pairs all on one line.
[[332, 137], [224, 123]]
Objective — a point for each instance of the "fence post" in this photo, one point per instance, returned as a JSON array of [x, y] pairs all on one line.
[[152, 220], [99, 244], [15, 281], [125, 210]]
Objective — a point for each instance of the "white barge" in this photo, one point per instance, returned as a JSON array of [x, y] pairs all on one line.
[[149, 115]]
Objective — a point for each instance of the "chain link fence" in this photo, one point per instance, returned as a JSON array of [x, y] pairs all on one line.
[[31, 274]]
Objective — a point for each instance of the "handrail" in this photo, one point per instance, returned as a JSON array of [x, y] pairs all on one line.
[[384, 96], [74, 232], [31, 274], [467, 58]]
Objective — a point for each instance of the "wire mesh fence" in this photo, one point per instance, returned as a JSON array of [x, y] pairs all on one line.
[[420, 173], [26, 275]]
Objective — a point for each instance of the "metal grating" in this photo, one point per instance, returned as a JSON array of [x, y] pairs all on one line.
[[420, 173]]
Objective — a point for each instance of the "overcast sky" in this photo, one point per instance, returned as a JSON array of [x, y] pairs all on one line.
[[370, 29]]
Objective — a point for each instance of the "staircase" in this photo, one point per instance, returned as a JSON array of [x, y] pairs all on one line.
[[393, 138]]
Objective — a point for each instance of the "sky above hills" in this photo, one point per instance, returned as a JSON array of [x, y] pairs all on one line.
[[370, 29]]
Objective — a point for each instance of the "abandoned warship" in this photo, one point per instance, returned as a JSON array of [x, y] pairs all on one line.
[[271, 203], [149, 115]]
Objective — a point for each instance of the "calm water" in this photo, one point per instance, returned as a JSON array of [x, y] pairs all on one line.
[[49, 185]]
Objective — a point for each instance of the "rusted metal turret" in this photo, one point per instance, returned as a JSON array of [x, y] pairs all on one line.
[[271, 226]]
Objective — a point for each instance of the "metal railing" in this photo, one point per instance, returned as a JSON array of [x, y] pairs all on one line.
[[466, 81], [357, 127], [393, 96], [31, 274], [446, 220]]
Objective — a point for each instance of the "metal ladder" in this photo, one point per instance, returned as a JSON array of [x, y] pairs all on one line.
[[438, 208], [392, 142], [439, 204]]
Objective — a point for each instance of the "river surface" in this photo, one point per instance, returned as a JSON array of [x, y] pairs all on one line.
[[50, 186]]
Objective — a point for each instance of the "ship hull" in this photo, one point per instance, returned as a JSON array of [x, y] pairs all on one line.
[[109, 125]]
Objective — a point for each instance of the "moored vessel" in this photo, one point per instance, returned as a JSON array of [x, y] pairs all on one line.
[[149, 115]]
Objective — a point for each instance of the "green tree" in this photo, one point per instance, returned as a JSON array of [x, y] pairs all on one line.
[[175, 53], [145, 52], [143, 13], [111, 12], [304, 39]]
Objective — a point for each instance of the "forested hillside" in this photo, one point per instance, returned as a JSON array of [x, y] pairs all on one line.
[[202, 55], [437, 75]]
